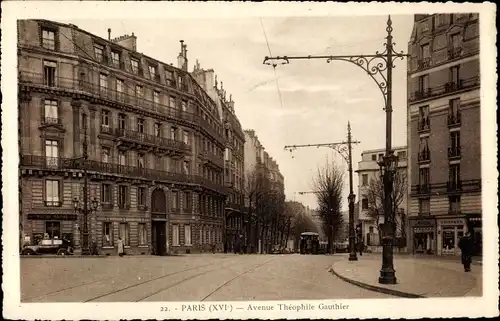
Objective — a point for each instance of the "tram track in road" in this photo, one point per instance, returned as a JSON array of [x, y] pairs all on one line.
[[236, 277]]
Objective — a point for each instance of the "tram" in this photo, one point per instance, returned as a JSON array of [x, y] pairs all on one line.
[[309, 243]]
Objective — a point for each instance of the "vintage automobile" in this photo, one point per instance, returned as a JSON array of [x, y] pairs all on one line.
[[341, 247], [49, 246]]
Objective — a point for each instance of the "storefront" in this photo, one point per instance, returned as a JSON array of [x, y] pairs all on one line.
[[475, 225], [53, 226], [449, 233], [423, 235]]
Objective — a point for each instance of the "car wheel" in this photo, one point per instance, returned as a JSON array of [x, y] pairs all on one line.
[[28, 252], [62, 252]]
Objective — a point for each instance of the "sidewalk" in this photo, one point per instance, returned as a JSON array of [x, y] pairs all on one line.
[[416, 276]]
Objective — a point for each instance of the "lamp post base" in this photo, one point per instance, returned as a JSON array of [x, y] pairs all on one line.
[[353, 257], [85, 251], [387, 276]]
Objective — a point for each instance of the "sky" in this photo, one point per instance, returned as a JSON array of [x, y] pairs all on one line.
[[317, 98]]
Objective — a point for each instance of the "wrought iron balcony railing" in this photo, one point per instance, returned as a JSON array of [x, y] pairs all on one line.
[[447, 88], [56, 163], [454, 119], [423, 63], [454, 186], [454, 52], [51, 121], [424, 124], [424, 156], [153, 140], [424, 188], [39, 80], [52, 203], [454, 152]]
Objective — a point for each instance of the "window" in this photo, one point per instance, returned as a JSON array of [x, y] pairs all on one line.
[[152, 72], [157, 130], [175, 235], [454, 201], [402, 155], [107, 234], [122, 196], [53, 229], [186, 137], [455, 74], [106, 193], [380, 156], [105, 154], [140, 160], [50, 107], [141, 196], [135, 65], [49, 73], [115, 58], [105, 118], [455, 140], [175, 200], [103, 82], [171, 102], [98, 52], [454, 173], [84, 120], [455, 40], [374, 157], [187, 235], [424, 176], [143, 234], [184, 106], [173, 133], [424, 149], [185, 167], [423, 121], [138, 91], [364, 204], [51, 153], [423, 83], [122, 121], [122, 160], [170, 78], [179, 81], [371, 230], [425, 51], [364, 179], [124, 233], [140, 125], [424, 206], [48, 39], [187, 202], [52, 193], [156, 97], [119, 86], [439, 19]]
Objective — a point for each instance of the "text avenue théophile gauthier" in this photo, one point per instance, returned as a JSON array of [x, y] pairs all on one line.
[[201, 307]]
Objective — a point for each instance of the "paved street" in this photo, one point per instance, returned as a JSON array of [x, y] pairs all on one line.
[[195, 277]]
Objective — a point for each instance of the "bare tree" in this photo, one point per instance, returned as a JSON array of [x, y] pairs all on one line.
[[375, 197], [328, 185]]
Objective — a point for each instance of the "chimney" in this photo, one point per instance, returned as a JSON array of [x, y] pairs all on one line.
[[181, 58], [109, 34]]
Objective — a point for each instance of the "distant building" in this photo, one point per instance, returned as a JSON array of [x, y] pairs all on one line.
[[444, 128], [368, 169]]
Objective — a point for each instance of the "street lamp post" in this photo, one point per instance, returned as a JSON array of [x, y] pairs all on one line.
[[374, 65]]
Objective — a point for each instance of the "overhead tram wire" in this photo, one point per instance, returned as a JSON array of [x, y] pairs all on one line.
[[275, 74]]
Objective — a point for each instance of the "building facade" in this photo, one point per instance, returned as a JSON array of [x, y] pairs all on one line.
[[444, 132], [155, 143], [368, 170], [233, 164]]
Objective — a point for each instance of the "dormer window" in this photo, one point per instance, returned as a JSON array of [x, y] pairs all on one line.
[[135, 65], [152, 72], [115, 57], [170, 78], [48, 39], [98, 52]]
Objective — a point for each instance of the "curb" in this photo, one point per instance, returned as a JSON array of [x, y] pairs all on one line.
[[376, 288]]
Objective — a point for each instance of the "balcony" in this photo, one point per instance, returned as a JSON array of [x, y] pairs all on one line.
[[454, 119], [52, 203], [424, 156], [424, 124], [454, 152], [218, 161], [109, 96], [423, 188], [211, 131], [64, 164], [454, 186], [166, 144], [105, 129], [445, 89], [454, 52], [46, 121], [423, 63]]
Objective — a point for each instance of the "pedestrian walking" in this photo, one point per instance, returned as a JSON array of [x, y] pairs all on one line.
[[465, 245], [120, 247]]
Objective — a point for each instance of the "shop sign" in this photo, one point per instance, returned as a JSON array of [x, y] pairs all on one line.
[[453, 222], [423, 230], [424, 223], [53, 217]]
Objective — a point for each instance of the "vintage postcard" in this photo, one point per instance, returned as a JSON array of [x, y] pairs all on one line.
[[271, 160]]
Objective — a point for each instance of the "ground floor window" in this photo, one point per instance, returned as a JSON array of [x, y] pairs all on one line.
[[107, 234], [449, 239], [187, 234], [124, 233], [175, 235], [143, 234], [201, 235], [53, 229]]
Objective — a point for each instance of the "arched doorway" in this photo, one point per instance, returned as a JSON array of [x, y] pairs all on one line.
[[159, 222]]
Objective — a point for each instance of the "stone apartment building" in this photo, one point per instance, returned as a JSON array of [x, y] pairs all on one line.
[[233, 163], [155, 143], [368, 169], [444, 149]]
